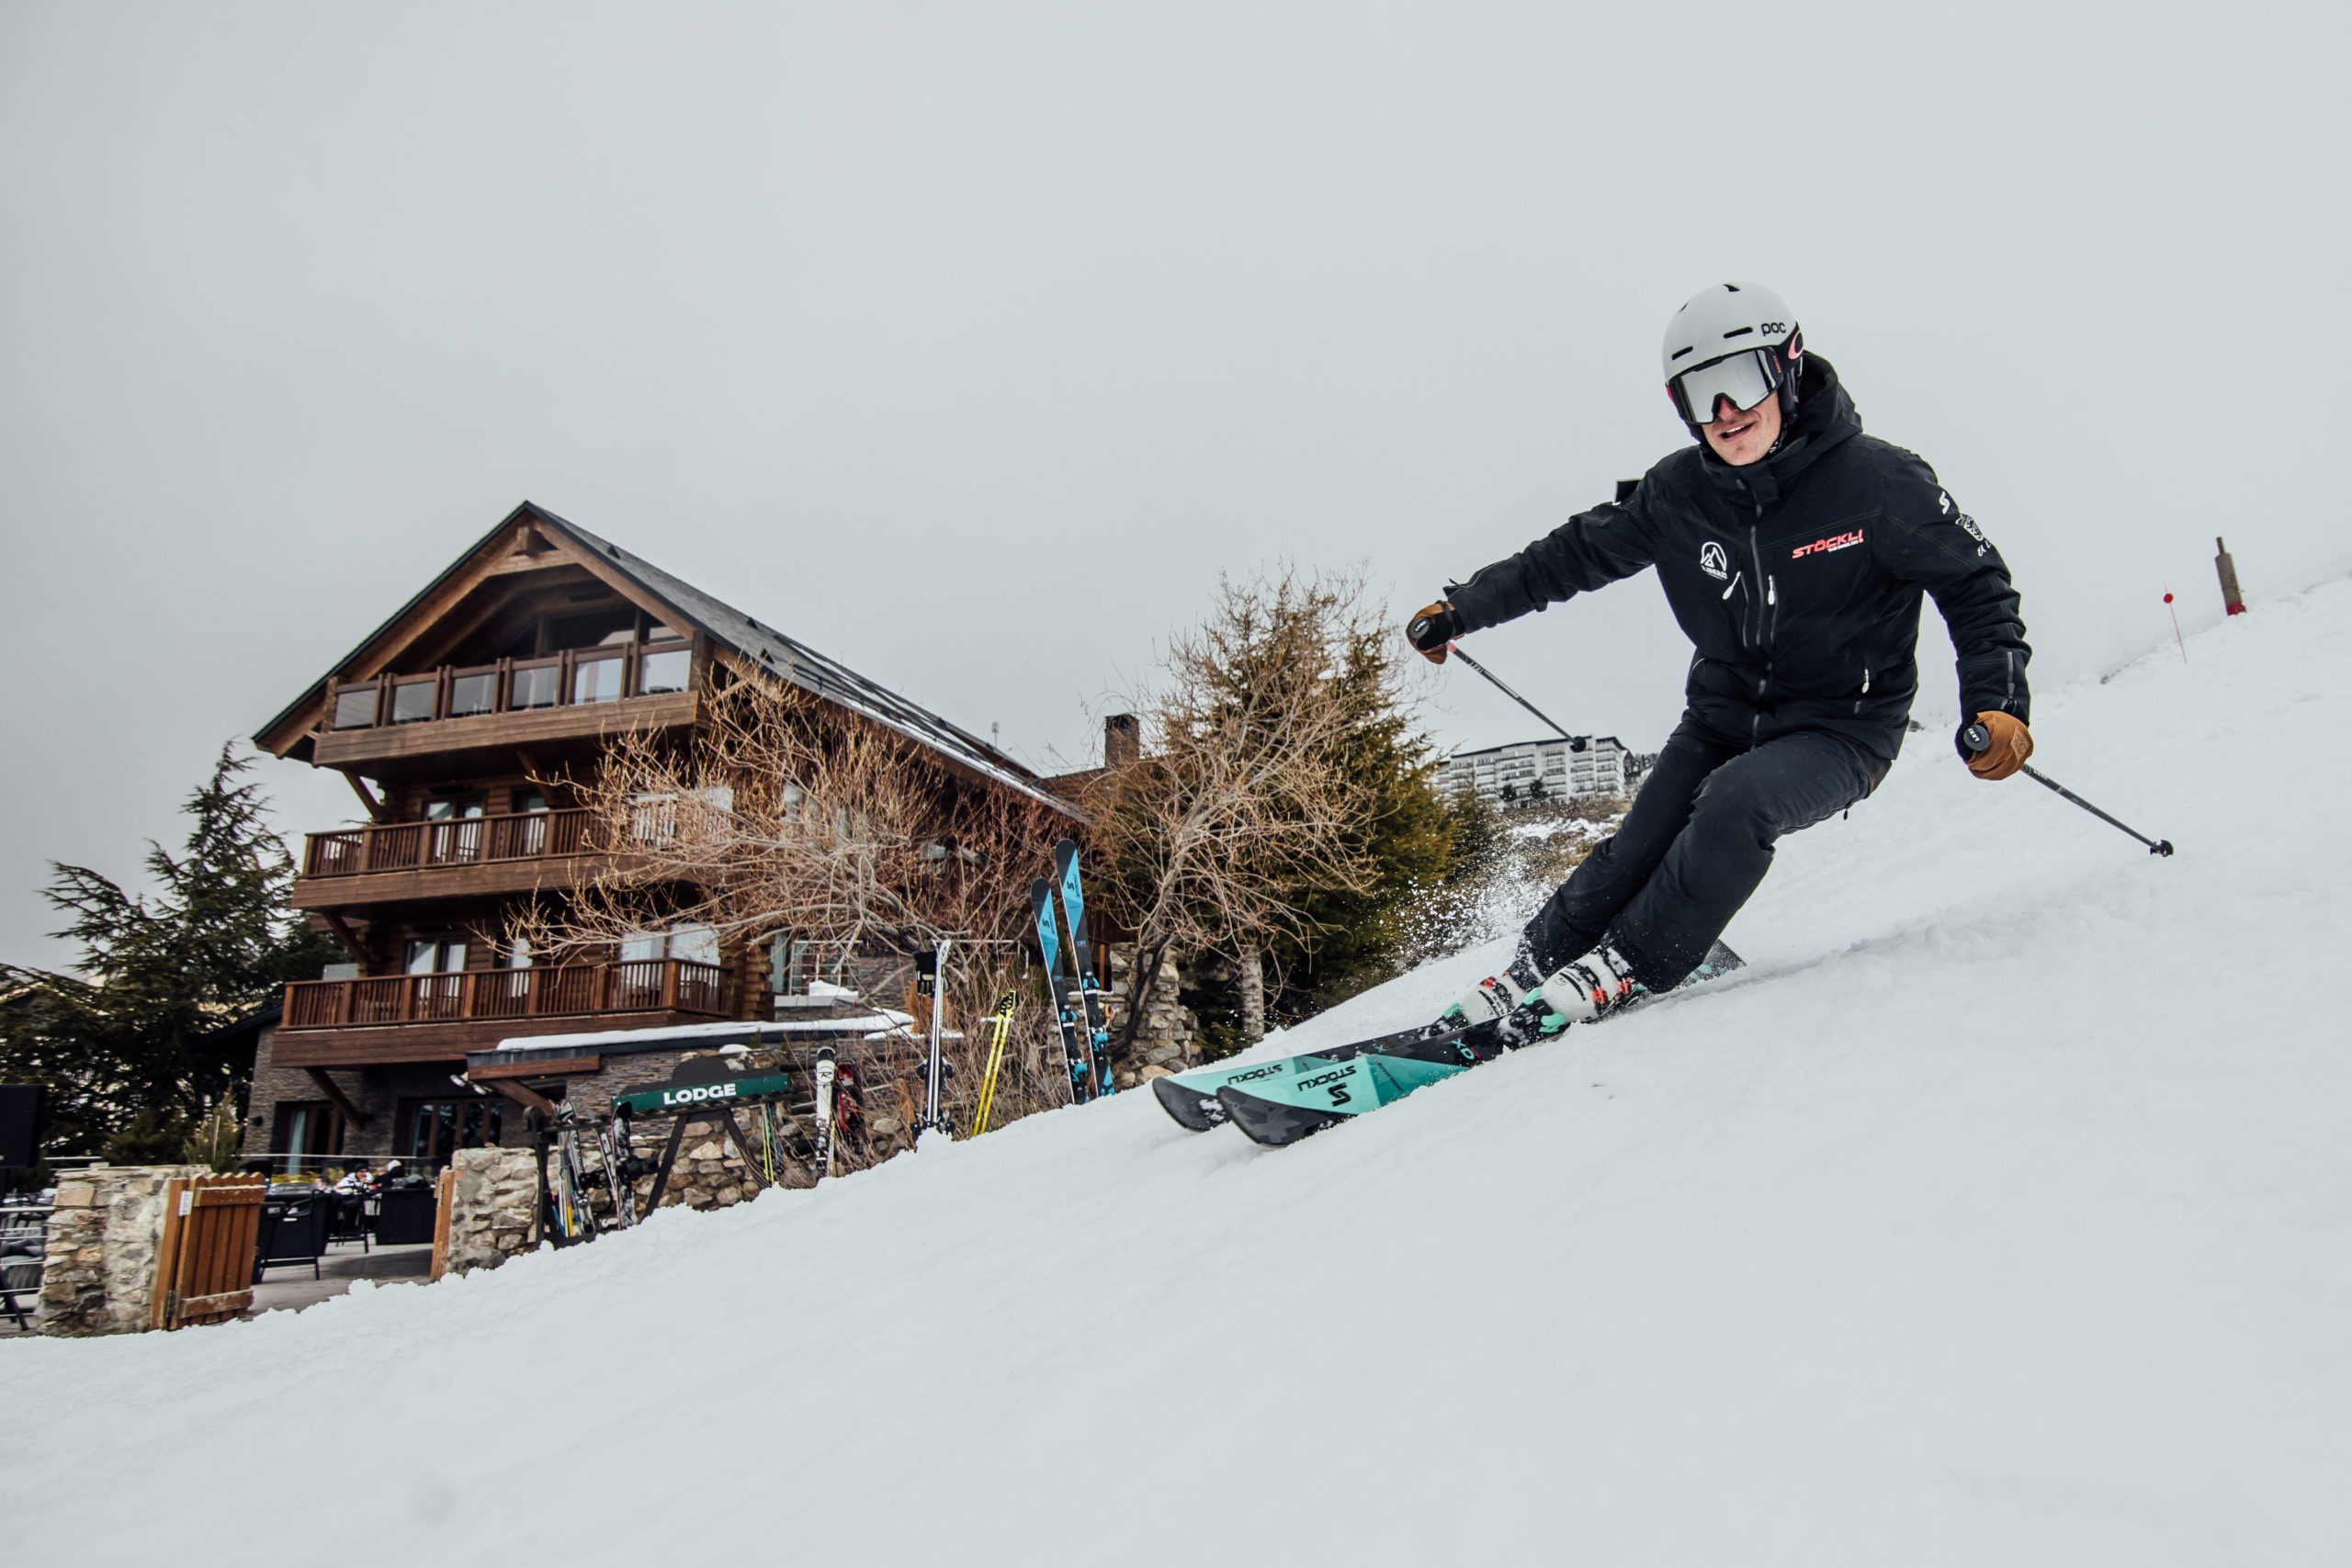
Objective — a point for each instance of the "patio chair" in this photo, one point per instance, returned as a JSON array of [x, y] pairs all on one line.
[[293, 1230]]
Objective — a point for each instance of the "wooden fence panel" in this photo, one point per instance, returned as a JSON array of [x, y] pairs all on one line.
[[445, 1191], [204, 1260]]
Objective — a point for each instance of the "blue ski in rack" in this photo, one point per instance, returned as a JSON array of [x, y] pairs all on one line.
[[1049, 943], [1089, 985]]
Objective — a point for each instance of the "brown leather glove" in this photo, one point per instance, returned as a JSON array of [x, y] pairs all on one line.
[[2006, 752], [1432, 629]]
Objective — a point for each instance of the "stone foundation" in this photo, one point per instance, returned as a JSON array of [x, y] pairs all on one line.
[[98, 1272], [1171, 1039], [492, 1215]]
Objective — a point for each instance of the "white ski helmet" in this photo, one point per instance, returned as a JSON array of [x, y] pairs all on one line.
[[1736, 340]]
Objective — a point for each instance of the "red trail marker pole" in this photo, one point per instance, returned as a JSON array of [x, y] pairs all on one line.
[[2175, 624]]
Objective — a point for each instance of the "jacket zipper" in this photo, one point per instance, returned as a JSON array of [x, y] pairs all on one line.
[[1763, 629]]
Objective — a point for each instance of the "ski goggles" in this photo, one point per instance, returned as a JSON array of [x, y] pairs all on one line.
[[1746, 378]]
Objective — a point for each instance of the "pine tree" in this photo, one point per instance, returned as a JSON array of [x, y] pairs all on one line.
[[119, 1041]]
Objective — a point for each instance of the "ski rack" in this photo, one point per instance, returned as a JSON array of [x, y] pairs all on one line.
[[703, 1088]]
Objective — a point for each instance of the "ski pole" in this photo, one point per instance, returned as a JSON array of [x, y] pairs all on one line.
[[1455, 650], [1977, 738]]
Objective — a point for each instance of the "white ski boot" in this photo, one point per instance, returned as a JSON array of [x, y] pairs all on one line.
[[1592, 987], [1513, 1001]]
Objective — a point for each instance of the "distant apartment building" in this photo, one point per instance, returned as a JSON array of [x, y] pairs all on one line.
[[1533, 770]]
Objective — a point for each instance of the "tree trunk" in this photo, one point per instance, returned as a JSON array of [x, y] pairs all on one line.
[[1251, 960], [1140, 979]]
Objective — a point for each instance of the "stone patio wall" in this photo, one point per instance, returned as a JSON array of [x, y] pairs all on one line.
[[99, 1271]]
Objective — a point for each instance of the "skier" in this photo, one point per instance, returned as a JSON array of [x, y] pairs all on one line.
[[1794, 549]]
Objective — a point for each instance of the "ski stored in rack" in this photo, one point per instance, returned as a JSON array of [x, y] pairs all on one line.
[[1062, 999], [1089, 985]]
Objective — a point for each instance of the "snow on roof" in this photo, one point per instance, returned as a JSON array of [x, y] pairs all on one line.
[[691, 1035]]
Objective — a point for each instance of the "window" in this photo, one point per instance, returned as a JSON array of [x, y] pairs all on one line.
[[695, 944], [460, 841], [308, 1131], [438, 1128], [436, 955], [355, 707], [528, 836]]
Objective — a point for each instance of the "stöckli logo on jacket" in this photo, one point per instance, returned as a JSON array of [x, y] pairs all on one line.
[[1713, 561], [1967, 524]]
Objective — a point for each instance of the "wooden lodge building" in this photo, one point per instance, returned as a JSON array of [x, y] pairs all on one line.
[[520, 662]]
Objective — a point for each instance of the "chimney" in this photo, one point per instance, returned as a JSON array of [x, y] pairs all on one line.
[[1122, 746]]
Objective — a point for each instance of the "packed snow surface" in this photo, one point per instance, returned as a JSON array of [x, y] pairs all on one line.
[[1999, 1212]]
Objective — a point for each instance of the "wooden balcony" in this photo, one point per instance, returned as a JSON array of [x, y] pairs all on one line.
[[396, 725], [467, 857], [401, 1018]]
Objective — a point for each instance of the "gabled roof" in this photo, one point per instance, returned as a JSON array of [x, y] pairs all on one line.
[[759, 647]]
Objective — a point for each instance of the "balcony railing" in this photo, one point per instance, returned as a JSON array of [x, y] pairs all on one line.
[[457, 840], [513, 685], [648, 984]]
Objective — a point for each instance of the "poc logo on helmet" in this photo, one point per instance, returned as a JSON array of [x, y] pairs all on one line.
[[1713, 561]]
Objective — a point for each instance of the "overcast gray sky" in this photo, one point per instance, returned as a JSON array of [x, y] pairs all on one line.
[[968, 344]]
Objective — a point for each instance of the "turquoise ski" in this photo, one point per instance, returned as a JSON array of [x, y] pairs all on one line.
[[1192, 1098], [1278, 1110]]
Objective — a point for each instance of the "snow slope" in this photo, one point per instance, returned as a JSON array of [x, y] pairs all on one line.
[[2000, 1212]]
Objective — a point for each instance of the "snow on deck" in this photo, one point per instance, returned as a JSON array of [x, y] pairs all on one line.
[[1998, 1212]]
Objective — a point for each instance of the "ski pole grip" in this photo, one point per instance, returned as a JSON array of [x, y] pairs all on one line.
[[1977, 738]]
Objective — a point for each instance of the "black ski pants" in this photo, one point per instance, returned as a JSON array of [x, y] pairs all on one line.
[[1697, 843]]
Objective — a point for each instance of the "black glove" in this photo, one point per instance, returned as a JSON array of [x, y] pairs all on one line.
[[1433, 627]]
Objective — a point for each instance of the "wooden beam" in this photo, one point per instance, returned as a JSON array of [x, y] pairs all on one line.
[[333, 1090], [561, 1068], [346, 935], [529, 1098], [366, 797]]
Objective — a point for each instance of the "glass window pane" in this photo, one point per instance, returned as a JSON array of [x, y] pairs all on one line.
[[664, 672], [596, 681], [697, 945], [473, 693], [640, 949], [412, 700], [535, 687], [355, 708]]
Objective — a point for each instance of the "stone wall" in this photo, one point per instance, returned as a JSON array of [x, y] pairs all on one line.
[[490, 1207], [1171, 1039], [495, 1190], [98, 1273]]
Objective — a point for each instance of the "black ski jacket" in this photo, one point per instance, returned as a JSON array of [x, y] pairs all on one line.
[[1797, 579]]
